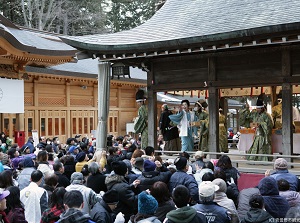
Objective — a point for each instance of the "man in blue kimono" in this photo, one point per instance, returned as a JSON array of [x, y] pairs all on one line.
[[184, 120]]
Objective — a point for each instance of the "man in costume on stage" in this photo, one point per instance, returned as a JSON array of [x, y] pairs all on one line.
[[184, 120], [203, 118], [169, 132], [263, 125], [141, 122]]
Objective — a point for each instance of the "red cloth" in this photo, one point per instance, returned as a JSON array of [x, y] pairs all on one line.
[[248, 180]]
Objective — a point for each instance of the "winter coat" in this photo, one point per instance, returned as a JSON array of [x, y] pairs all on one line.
[[101, 213], [63, 180], [45, 169], [74, 215], [164, 208], [185, 214], [24, 177], [255, 215], [89, 196], [97, 182], [198, 162], [199, 174], [147, 179], [127, 199], [30, 145], [243, 203], [141, 218], [182, 178], [276, 205], [284, 174], [213, 212], [222, 200], [69, 169], [16, 215], [292, 197], [35, 201], [52, 215]]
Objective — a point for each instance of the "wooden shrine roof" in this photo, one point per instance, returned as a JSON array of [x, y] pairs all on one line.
[[33, 47], [187, 26]]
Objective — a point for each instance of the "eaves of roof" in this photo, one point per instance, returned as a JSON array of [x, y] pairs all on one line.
[[196, 23], [33, 43], [180, 43]]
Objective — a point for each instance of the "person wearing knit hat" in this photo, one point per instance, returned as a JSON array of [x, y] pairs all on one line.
[[281, 172], [150, 176], [147, 206], [90, 198], [24, 176], [82, 159], [180, 163], [149, 166], [127, 199], [180, 177], [222, 199], [3, 195], [119, 167]]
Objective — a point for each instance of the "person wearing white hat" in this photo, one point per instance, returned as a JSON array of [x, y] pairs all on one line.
[[213, 212]]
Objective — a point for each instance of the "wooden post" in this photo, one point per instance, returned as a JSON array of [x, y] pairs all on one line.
[[152, 111], [287, 90], [213, 103]]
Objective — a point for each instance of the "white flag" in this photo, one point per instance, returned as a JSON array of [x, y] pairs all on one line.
[[11, 96]]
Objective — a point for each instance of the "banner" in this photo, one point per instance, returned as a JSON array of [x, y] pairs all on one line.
[[11, 96], [35, 136]]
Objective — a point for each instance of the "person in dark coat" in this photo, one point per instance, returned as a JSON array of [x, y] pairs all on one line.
[[257, 214], [14, 208], [160, 192], [101, 213], [150, 176], [276, 205], [69, 165], [184, 213], [29, 144], [59, 170], [127, 200], [169, 132], [180, 177], [96, 181]]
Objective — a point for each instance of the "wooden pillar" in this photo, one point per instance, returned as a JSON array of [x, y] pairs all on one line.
[[68, 115], [36, 105], [152, 111], [213, 103], [287, 90], [20, 121]]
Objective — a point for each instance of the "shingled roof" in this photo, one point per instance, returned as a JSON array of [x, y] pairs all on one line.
[[34, 42], [187, 22]]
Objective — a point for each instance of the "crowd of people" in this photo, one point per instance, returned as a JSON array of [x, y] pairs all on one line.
[[50, 183]]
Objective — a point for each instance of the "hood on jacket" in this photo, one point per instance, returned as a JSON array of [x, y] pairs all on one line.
[[73, 215], [184, 214], [268, 186], [255, 215], [113, 179]]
